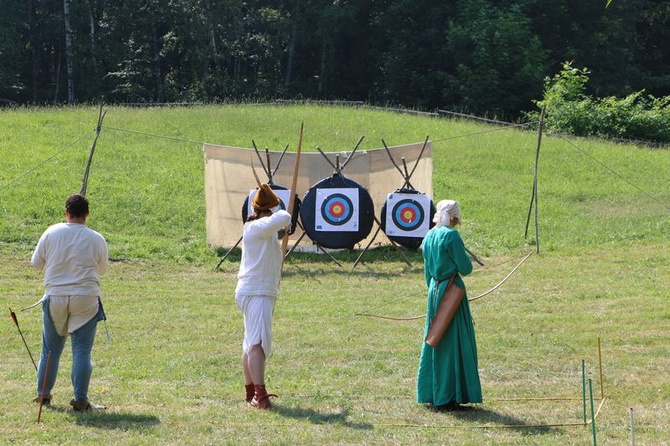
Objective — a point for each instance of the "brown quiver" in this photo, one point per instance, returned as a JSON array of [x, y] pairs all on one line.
[[452, 298]]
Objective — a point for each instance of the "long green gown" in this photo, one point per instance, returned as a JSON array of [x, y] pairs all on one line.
[[449, 372]]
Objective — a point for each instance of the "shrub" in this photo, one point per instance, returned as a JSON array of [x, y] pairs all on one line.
[[569, 110]]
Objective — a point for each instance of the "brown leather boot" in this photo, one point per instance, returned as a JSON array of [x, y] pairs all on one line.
[[250, 392], [261, 398]]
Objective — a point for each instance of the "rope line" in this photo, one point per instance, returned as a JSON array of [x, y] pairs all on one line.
[[584, 152], [153, 135], [43, 162], [480, 133]]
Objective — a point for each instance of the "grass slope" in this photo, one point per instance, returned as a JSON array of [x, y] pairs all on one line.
[[171, 373]]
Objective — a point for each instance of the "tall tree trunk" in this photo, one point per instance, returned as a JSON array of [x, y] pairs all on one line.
[[91, 22], [157, 67], [213, 51], [68, 52], [322, 68], [34, 57], [291, 54], [57, 83]]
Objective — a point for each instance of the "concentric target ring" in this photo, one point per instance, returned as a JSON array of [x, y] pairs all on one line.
[[337, 210], [407, 214]]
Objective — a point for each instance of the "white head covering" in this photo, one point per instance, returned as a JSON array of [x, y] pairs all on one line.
[[445, 211]]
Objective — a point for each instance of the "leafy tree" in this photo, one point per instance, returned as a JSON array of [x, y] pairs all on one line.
[[11, 21], [637, 116], [497, 62]]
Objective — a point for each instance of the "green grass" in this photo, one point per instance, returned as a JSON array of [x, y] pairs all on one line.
[[172, 374]]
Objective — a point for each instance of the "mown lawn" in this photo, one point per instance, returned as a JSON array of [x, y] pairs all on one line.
[[171, 372]]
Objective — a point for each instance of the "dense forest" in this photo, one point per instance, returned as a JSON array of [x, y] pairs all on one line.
[[488, 57]]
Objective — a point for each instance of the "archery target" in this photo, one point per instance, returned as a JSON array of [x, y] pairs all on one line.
[[284, 196], [337, 210], [337, 213], [407, 215]]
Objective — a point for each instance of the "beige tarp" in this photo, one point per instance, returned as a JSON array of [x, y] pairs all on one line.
[[228, 180]]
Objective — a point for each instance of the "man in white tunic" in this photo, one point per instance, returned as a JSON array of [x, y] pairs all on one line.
[[258, 288], [73, 257]]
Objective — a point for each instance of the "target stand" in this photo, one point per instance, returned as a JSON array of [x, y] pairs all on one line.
[[337, 212], [407, 214], [282, 193]]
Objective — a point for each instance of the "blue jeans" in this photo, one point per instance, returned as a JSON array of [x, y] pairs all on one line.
[[82, 344]]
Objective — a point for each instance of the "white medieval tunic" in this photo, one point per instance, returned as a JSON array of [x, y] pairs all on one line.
[[258, 278]]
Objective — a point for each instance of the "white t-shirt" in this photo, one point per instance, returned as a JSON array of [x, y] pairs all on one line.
[[260, 266], [73, 257]]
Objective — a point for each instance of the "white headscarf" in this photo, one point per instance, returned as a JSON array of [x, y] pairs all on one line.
[[445, 211]]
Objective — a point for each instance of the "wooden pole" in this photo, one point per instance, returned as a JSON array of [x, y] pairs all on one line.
[[98, 129], [600, 362], [533, 199]]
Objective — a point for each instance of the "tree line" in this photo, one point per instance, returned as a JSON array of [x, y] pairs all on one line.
[[487, 57]]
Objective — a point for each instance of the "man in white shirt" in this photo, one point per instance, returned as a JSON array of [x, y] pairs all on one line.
[[258, 287], [73, 257]]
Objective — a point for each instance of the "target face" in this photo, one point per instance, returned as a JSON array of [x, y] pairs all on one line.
[[284, 196], [337, 209], [407, 215]]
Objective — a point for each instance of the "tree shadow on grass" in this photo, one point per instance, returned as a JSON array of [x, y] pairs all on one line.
[[485, 418], [341, 417]]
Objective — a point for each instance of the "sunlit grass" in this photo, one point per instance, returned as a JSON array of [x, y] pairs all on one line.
[[171, 373]]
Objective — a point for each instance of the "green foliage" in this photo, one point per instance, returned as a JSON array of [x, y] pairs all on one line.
[[481, 56], [569, 110], [498, 61]]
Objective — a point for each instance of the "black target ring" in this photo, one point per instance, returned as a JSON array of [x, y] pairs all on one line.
[[337, 210], [282, 205], [408, 242], [337, 239], [408, 214]]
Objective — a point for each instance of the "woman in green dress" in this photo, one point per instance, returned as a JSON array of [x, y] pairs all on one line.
[[448, 374]]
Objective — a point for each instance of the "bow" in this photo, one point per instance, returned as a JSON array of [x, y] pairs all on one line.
[[294, 185], [421, 316]]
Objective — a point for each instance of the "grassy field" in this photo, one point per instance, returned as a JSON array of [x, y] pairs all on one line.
[[171, 373]]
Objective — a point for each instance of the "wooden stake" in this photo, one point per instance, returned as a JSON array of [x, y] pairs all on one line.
[[98, 129], [533, 199], [600, 361]]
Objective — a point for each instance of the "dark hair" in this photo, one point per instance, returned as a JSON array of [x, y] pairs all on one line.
[[77, 205], [257, 214]]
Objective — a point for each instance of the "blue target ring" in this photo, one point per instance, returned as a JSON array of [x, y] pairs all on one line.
[[337, 210], [408, 215]]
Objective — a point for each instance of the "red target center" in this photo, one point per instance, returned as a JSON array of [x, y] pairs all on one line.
[[336, 209], [408, 215]]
